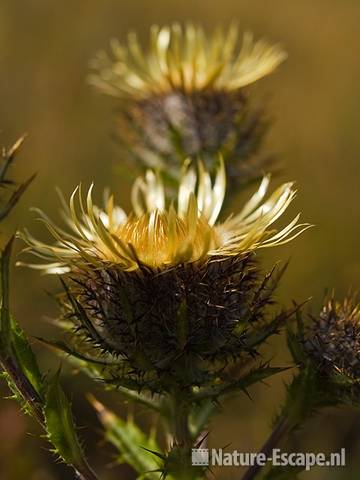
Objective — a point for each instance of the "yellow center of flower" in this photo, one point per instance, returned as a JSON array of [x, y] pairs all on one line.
[[156, 235], [163, 238]]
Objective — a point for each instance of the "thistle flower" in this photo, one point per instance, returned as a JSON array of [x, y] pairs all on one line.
[[185, 96], [168, 289], [327, 352], [160, 236], [186, 60], [333, 339]]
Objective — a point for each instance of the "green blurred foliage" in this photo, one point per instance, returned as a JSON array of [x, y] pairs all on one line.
[[314, 99]]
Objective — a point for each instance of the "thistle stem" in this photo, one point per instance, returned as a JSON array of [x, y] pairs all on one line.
[[280, 430], [86, 473], [182, 441], [182, 436], [34, 404], [24, 388]]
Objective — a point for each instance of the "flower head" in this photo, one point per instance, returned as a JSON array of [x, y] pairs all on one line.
[[157, 235], [333, 340], [167, 293], [185, 96]]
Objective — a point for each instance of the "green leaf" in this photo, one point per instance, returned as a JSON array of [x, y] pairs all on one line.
[[8, 156], [134, 384], [295, 339], [255, 375], [260, 336], [16, 352], [200, 417], [68, 350], [15, 197], [60, 424], [307, 393], [133, 444], [5, 310], [16, 358], [140, 399], [81, 314], [25, 357]]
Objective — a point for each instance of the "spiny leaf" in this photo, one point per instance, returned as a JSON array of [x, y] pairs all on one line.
[[15, 197], [200, 417], [80, 312], [16, 352], [155, 453], [8, 156], [25, 357], [306, 394], [140, 399], [255, 375], [60, 424], [5, 311], [133, 444], [295, 339], [15, 393], [133, 384], [63, 347], [255, 339]]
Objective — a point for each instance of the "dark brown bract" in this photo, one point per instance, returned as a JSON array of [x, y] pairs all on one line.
[[174, 125], [187, 321]]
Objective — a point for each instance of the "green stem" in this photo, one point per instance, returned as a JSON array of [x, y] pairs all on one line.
[[180, 467], [34, 404], [86, 473], [180, 420], [24, 388], [281, 429], [182, 436]]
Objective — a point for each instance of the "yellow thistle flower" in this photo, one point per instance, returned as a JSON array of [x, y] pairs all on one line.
[[185, 97], [167, 292], [184, 59], [157, 235]]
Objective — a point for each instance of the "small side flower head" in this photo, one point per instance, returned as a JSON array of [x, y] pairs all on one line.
[[168, 289], [327, 352], [333, 339], [185, 95]]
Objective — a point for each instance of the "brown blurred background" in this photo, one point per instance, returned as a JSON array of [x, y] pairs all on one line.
[[314, 99]]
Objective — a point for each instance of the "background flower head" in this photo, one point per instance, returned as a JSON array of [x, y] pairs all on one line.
[[185, 59], [185, 95]]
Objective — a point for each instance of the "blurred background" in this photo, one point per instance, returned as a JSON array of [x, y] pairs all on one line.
[[314, 99]]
